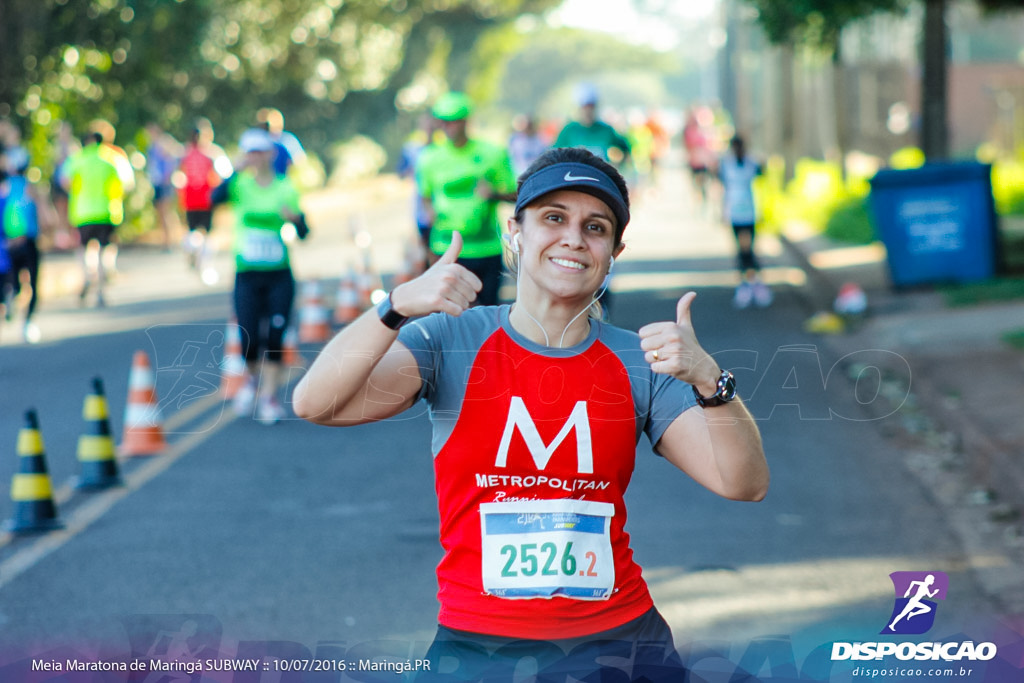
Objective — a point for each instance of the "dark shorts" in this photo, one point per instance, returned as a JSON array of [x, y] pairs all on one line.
[[199, 220], [746, 258], [739, 229], [263, 307], [641, 649], [101, 232], [488, 269]]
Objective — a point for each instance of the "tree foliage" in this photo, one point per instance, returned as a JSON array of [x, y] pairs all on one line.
[[819, 23], [816, 23], [1001, 5], [335, 67], [557, 59]]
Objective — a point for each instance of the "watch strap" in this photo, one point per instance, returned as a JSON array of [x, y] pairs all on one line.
[[391, 318]]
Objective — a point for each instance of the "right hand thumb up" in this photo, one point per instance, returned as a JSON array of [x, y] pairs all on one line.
[[447, 287], [451, 255]]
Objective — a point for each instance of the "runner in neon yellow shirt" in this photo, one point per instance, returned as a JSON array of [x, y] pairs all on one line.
[[461, 181], [95, 207]]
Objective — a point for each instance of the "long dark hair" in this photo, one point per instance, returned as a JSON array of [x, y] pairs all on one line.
[[578, 155]]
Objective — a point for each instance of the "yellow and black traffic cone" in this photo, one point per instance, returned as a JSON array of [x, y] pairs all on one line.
[[31, 490], [96, 452]]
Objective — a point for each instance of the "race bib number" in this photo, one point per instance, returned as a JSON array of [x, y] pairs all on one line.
[[547, 548], [262, 247]]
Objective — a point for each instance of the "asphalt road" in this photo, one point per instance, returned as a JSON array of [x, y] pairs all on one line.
[[300, 540]]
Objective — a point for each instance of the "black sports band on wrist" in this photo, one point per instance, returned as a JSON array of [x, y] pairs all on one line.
[[725, 391], [391, 318]]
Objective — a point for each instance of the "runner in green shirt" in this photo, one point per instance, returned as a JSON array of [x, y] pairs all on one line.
[[263, 202], [593, 134], [461, 181], [601, 140]]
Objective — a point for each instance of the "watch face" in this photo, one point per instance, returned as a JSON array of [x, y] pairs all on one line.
[[727, 386]]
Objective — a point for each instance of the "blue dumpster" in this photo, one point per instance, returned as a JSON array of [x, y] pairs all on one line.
[[938, 222]]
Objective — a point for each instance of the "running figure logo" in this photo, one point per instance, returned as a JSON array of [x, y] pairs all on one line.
[[914, 613]]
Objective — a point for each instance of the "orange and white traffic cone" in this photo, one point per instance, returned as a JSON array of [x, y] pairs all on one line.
[[232, 366], [31, 488], [143, 428], [346, 305], [290, 356], [366, 279], [313, 323]]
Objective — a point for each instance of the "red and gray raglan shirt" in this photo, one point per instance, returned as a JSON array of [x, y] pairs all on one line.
[[533, 450]]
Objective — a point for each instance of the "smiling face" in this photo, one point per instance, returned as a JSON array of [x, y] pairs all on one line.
[[566, 241]]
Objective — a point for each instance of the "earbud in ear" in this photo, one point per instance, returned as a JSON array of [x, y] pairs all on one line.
[[515, 243], [611, 264]]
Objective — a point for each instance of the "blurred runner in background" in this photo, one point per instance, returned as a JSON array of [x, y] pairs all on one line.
[[603, 141], [289, 149], [5, 261], [700, 153], [737, 172], [462, 179], [263, 201], [20, 217], [162, 157], [125, 172], [591, 133], [65, 146], [525, 144], [198, 179], [421, 139], [95, 208]]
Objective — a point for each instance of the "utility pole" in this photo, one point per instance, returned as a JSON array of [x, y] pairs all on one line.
[[934, 125], [727, 57]]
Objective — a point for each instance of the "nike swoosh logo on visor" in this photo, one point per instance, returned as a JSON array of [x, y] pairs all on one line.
[[570, 177]]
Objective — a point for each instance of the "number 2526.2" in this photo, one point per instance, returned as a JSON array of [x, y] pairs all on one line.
[[530, 558]]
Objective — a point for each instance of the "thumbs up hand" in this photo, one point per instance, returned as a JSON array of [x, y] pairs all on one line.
[[672, 348], [445, 287]]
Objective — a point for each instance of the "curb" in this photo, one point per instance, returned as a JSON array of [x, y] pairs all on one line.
[[981, 527], [822, 291]]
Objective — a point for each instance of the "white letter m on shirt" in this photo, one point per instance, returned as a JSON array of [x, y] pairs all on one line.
[[519, 417]]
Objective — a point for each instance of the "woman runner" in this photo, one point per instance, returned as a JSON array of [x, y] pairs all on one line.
[[537, 409]]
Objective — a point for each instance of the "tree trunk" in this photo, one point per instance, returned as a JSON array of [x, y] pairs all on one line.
[[827, 90], [788, 113], [841, 97], [934, 126]]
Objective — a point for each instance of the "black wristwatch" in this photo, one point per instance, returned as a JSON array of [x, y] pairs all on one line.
[[389, 316], [725, 391]]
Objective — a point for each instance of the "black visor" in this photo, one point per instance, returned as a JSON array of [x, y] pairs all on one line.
[[574, 176]]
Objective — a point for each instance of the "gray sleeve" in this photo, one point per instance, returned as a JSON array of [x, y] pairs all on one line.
[[423, 337], [658, 399], [670, 398]]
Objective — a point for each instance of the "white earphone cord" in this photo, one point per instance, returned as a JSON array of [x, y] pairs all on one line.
[[547, 340]]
